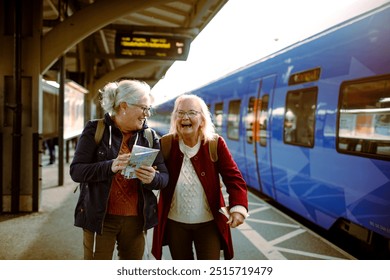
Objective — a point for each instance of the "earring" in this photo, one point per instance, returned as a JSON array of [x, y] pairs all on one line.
[[124, 113]]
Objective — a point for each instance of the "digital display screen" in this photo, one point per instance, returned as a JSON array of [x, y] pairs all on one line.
[[304, 77], [151, 46]]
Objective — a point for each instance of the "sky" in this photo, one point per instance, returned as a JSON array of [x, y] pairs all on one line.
[[244, 31]]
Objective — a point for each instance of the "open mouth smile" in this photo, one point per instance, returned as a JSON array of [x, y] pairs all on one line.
[[186, 125]]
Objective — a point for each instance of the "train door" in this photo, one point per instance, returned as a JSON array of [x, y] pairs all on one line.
[[261, 132]]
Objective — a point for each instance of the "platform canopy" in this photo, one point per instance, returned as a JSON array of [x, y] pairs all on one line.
[[108, 40]]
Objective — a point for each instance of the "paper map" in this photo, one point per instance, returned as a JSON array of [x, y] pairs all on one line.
[[139, 156]]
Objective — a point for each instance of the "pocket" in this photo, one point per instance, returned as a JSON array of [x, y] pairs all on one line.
[[79, 218]]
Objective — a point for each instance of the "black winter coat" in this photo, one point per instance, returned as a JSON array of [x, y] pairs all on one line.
[[91, 167]]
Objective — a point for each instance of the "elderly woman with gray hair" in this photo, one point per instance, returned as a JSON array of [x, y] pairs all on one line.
[[114, 210]]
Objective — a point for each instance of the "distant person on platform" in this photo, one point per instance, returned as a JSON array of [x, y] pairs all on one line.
[[114, 210], [50, 145], [189, 207]]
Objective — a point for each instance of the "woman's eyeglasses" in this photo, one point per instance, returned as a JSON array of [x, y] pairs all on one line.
[[190, 114], [145, 110]]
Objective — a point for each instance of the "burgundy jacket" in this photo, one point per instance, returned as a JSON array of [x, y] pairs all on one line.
[[208, 174]]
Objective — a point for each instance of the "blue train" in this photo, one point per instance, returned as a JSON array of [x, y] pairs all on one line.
[[309, 125]]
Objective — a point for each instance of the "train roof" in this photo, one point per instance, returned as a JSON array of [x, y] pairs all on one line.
[[295, 45]]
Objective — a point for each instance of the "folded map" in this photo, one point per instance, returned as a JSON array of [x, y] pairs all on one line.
[[139, 156]]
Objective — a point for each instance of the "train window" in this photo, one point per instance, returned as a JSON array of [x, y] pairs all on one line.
[[256, 120], [299, 118], [263, 120], [364, 117], [233, 120], [218, 117], [249, 120]]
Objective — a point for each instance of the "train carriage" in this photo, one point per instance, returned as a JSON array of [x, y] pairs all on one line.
[[309, 126]]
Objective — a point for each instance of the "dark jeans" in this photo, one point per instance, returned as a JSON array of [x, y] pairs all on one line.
[[126, 232], [204, 236], [50, 145]]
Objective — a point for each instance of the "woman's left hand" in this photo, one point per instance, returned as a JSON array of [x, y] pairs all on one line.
[[235, 219], [145, 174]]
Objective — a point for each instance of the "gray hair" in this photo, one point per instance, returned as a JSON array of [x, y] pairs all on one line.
[[207, 130], [129, 91]]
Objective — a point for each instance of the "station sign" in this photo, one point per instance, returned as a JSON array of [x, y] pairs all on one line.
[[136, 46]]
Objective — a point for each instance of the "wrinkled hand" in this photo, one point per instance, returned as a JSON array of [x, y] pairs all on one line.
[[145, 174], [120, 163], [235, 219]]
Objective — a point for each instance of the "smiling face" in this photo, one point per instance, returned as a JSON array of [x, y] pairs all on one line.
[[189, 120], [131, 117]]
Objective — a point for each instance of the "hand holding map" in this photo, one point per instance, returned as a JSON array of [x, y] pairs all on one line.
[[139, 156]]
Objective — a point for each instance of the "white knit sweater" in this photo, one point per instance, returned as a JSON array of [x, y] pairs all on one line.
[[189, 203]]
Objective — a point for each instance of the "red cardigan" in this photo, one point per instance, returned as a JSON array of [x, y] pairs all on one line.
[[208, 174]]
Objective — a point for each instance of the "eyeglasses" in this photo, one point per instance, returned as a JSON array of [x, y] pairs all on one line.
[[145, 110], [190, 114]]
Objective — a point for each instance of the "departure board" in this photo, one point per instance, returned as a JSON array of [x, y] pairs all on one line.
[[151, 47]]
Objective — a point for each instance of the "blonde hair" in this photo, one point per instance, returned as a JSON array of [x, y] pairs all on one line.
[[207, 131], [129, 91]]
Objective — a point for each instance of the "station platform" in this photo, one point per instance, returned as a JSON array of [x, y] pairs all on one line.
[[50, 234]]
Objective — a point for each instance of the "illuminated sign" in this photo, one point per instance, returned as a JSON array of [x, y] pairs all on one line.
[[151, 47], [304, 77]]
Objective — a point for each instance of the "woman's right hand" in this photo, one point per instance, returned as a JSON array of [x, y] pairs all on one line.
[[120, 163]]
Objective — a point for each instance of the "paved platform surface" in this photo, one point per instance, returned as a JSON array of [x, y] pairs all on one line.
[[51, 235], [48, 234]]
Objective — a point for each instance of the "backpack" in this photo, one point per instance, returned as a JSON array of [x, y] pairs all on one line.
[[166, 142], [101, 127]]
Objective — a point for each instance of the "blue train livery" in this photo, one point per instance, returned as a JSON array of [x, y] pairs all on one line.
[[309, 126]]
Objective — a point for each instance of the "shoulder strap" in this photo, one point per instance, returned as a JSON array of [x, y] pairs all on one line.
[[99, 131], [166, 142], [213, 145], [149, 136]]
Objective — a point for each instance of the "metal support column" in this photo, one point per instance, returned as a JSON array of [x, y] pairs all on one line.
[[61, 122], [17, 110]]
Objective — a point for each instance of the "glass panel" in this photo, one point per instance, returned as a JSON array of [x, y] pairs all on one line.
[[364, 121], [264, 120], [218, 117], [233, 120], [299, 119], [249, 120]]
